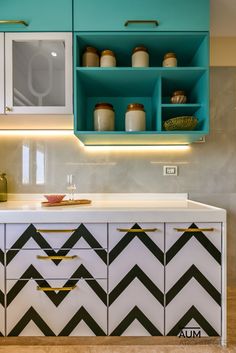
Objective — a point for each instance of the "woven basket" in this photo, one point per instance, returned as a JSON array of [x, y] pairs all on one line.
[[182, 123]]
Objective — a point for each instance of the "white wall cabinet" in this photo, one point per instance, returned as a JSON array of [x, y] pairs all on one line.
[[38, 73], [2, 73]]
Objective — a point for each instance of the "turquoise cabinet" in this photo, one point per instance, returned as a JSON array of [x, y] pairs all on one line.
[[112, 15], [152, 86], [35, 15]]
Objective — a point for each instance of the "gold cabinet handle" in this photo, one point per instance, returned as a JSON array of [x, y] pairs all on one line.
[[60, 289], [57, 257], [193, 230], [8, 109], [14, 22], [128, 22], [55, 230], [127, 230]]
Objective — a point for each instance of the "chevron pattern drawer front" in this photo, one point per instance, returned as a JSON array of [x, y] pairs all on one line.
[[77, 263], [2, 314], [77, 311], [193, 279], [136, 279], [56, 236], [68, 262]]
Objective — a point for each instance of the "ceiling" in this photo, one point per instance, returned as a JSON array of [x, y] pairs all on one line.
[[223, 18]]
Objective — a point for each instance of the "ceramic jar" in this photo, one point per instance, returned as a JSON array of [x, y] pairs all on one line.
[[104, 117], [135, 117], [107, 59], [140, 57], [90, 57], [170, 60], [178, 97], [3, 187]]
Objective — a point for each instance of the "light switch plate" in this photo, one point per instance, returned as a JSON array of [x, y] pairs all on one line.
[[170, 170]]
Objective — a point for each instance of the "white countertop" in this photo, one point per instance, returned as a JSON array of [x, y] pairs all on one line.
[[111, 208]]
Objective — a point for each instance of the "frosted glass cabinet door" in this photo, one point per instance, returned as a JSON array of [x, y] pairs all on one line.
[[38, 73], [1, 73]]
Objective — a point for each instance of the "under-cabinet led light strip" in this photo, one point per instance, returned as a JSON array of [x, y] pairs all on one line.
[[36, 133]]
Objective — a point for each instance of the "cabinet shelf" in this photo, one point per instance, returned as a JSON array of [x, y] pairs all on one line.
[[152, 86]]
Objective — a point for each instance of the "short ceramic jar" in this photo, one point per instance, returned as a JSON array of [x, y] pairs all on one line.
[[178, 97], [140, 57], [90, 57], [104, 117], [170, 60], [107, 59], [135, 117]]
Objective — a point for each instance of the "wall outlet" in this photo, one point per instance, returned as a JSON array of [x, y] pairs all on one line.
[[170, 170]]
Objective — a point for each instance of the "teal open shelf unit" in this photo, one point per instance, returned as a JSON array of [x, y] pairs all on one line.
[[151, 86]]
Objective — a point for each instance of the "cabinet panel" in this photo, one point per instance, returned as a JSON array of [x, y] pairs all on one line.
[[49, 264], [136, 279], [56, 236], [53, 15], [80, 310], [2, 73], [2, 281], [193, 279], [38, 73], [113, 15]]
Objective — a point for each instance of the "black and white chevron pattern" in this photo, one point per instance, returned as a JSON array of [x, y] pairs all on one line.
[[193, 290], [136, 281], [80, 312], [2, 303]]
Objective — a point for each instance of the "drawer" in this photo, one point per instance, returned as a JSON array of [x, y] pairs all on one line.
[[52, 264], [43, 15], [113, 15], [56, 236], [80, 309]]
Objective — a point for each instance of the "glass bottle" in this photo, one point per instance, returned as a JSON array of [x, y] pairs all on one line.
[[3, 187], [71, 187]]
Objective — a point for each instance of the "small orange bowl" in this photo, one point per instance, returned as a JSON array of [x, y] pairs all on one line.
[[54, 198]]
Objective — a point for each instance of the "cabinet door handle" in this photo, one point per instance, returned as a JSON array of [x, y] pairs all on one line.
[[127, 230], [55, 230], [61, 289], [57, 257], [128, 22], [193, 230], [14, 22]]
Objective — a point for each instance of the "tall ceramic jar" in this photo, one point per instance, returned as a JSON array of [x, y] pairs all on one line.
[[135, 117], [140, 57], [90, 57], [104, 117], [108, 58]]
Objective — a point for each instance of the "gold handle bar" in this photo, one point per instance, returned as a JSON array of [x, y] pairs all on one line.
[[193, 230], [55, 230], [14, 22], [61, 289], [56, 257], [155, 22], [124, 230]]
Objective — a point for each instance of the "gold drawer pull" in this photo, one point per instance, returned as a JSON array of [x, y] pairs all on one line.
[[61, 289], [155, 22], [14, 22], [55, 230], [56, 257], [193, 230], [127, 230]]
